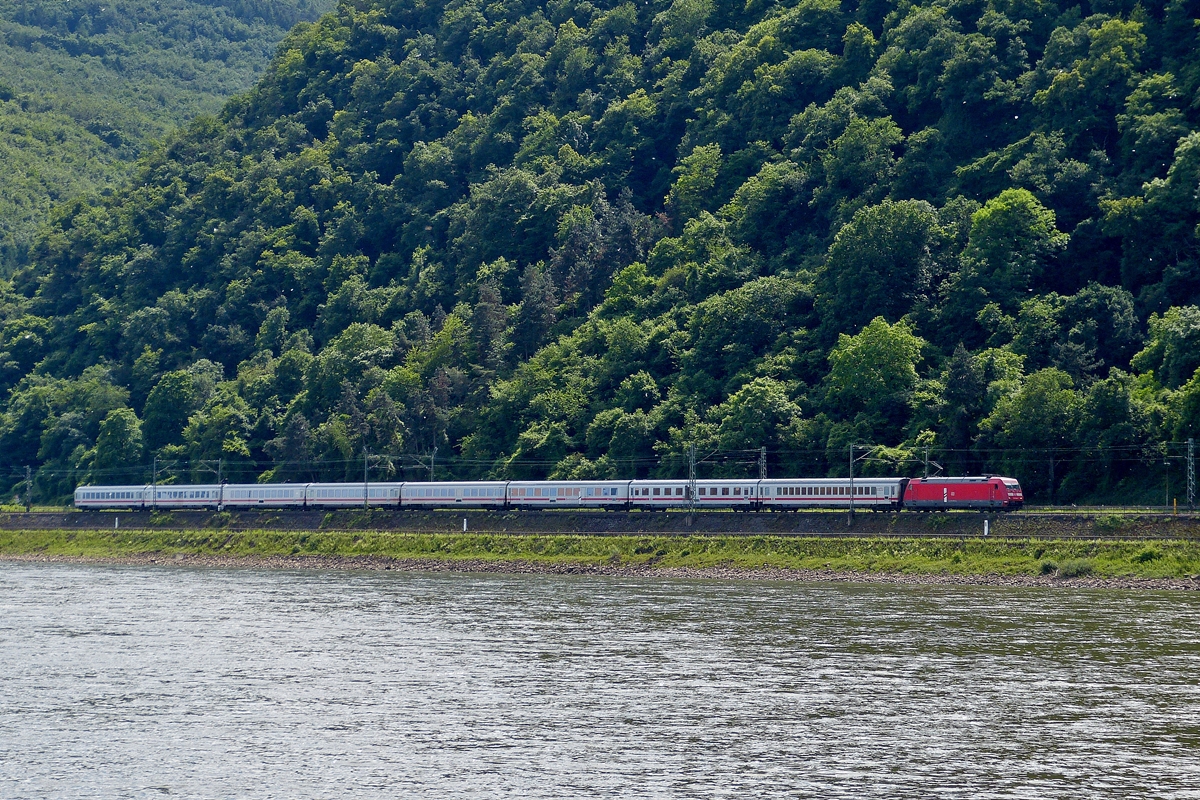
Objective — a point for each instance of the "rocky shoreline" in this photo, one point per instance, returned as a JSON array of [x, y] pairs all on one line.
[[514, 567]]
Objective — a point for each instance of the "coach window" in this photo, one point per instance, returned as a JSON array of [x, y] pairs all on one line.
[[725, 490]]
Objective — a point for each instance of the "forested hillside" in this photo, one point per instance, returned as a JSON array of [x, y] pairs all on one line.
[[86, 85], [570, 238]]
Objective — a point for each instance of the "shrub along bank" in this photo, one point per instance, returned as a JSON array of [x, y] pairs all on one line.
[[915, 556]]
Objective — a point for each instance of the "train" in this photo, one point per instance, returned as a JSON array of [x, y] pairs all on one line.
[[981, 493]]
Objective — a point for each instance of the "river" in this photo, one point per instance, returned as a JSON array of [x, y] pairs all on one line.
[[151, 682]]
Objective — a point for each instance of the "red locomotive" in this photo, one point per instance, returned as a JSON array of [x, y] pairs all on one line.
[[980, 492]]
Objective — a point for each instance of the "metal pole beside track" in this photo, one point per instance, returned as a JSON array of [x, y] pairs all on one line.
[[850, 518], [691, 483], [1191, 475]]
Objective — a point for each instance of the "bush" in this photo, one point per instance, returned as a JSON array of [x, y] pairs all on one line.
[[1146, 555], [1075, 568], [1110, 522], [1048, 567]]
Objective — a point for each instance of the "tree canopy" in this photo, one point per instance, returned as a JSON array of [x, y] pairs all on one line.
[[86, 88], [573, 238]]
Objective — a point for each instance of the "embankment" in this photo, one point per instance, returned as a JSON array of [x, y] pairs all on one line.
[[1091, 562], [599, 523]]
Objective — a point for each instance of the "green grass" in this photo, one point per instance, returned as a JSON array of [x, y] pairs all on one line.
[[910, 556]]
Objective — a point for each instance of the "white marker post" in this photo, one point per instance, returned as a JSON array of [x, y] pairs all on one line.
[[464, 524]]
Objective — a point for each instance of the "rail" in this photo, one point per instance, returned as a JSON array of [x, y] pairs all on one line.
[[1061, 511]]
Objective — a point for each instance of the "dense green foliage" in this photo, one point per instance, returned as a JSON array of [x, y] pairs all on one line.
[[85, 86], [571, 238]]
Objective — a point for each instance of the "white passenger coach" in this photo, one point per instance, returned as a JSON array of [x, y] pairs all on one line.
[[737, 494]]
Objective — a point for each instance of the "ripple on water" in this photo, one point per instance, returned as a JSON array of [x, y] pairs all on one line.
[[146, 682]]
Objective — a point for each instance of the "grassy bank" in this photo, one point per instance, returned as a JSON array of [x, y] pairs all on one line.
[[916, 556]]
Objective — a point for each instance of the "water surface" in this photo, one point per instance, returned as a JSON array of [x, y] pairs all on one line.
[[154, 682]]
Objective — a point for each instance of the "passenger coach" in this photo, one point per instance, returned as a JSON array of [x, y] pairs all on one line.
[[794, 494]]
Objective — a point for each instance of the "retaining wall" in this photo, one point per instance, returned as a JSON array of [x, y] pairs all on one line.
[[613, 523]]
